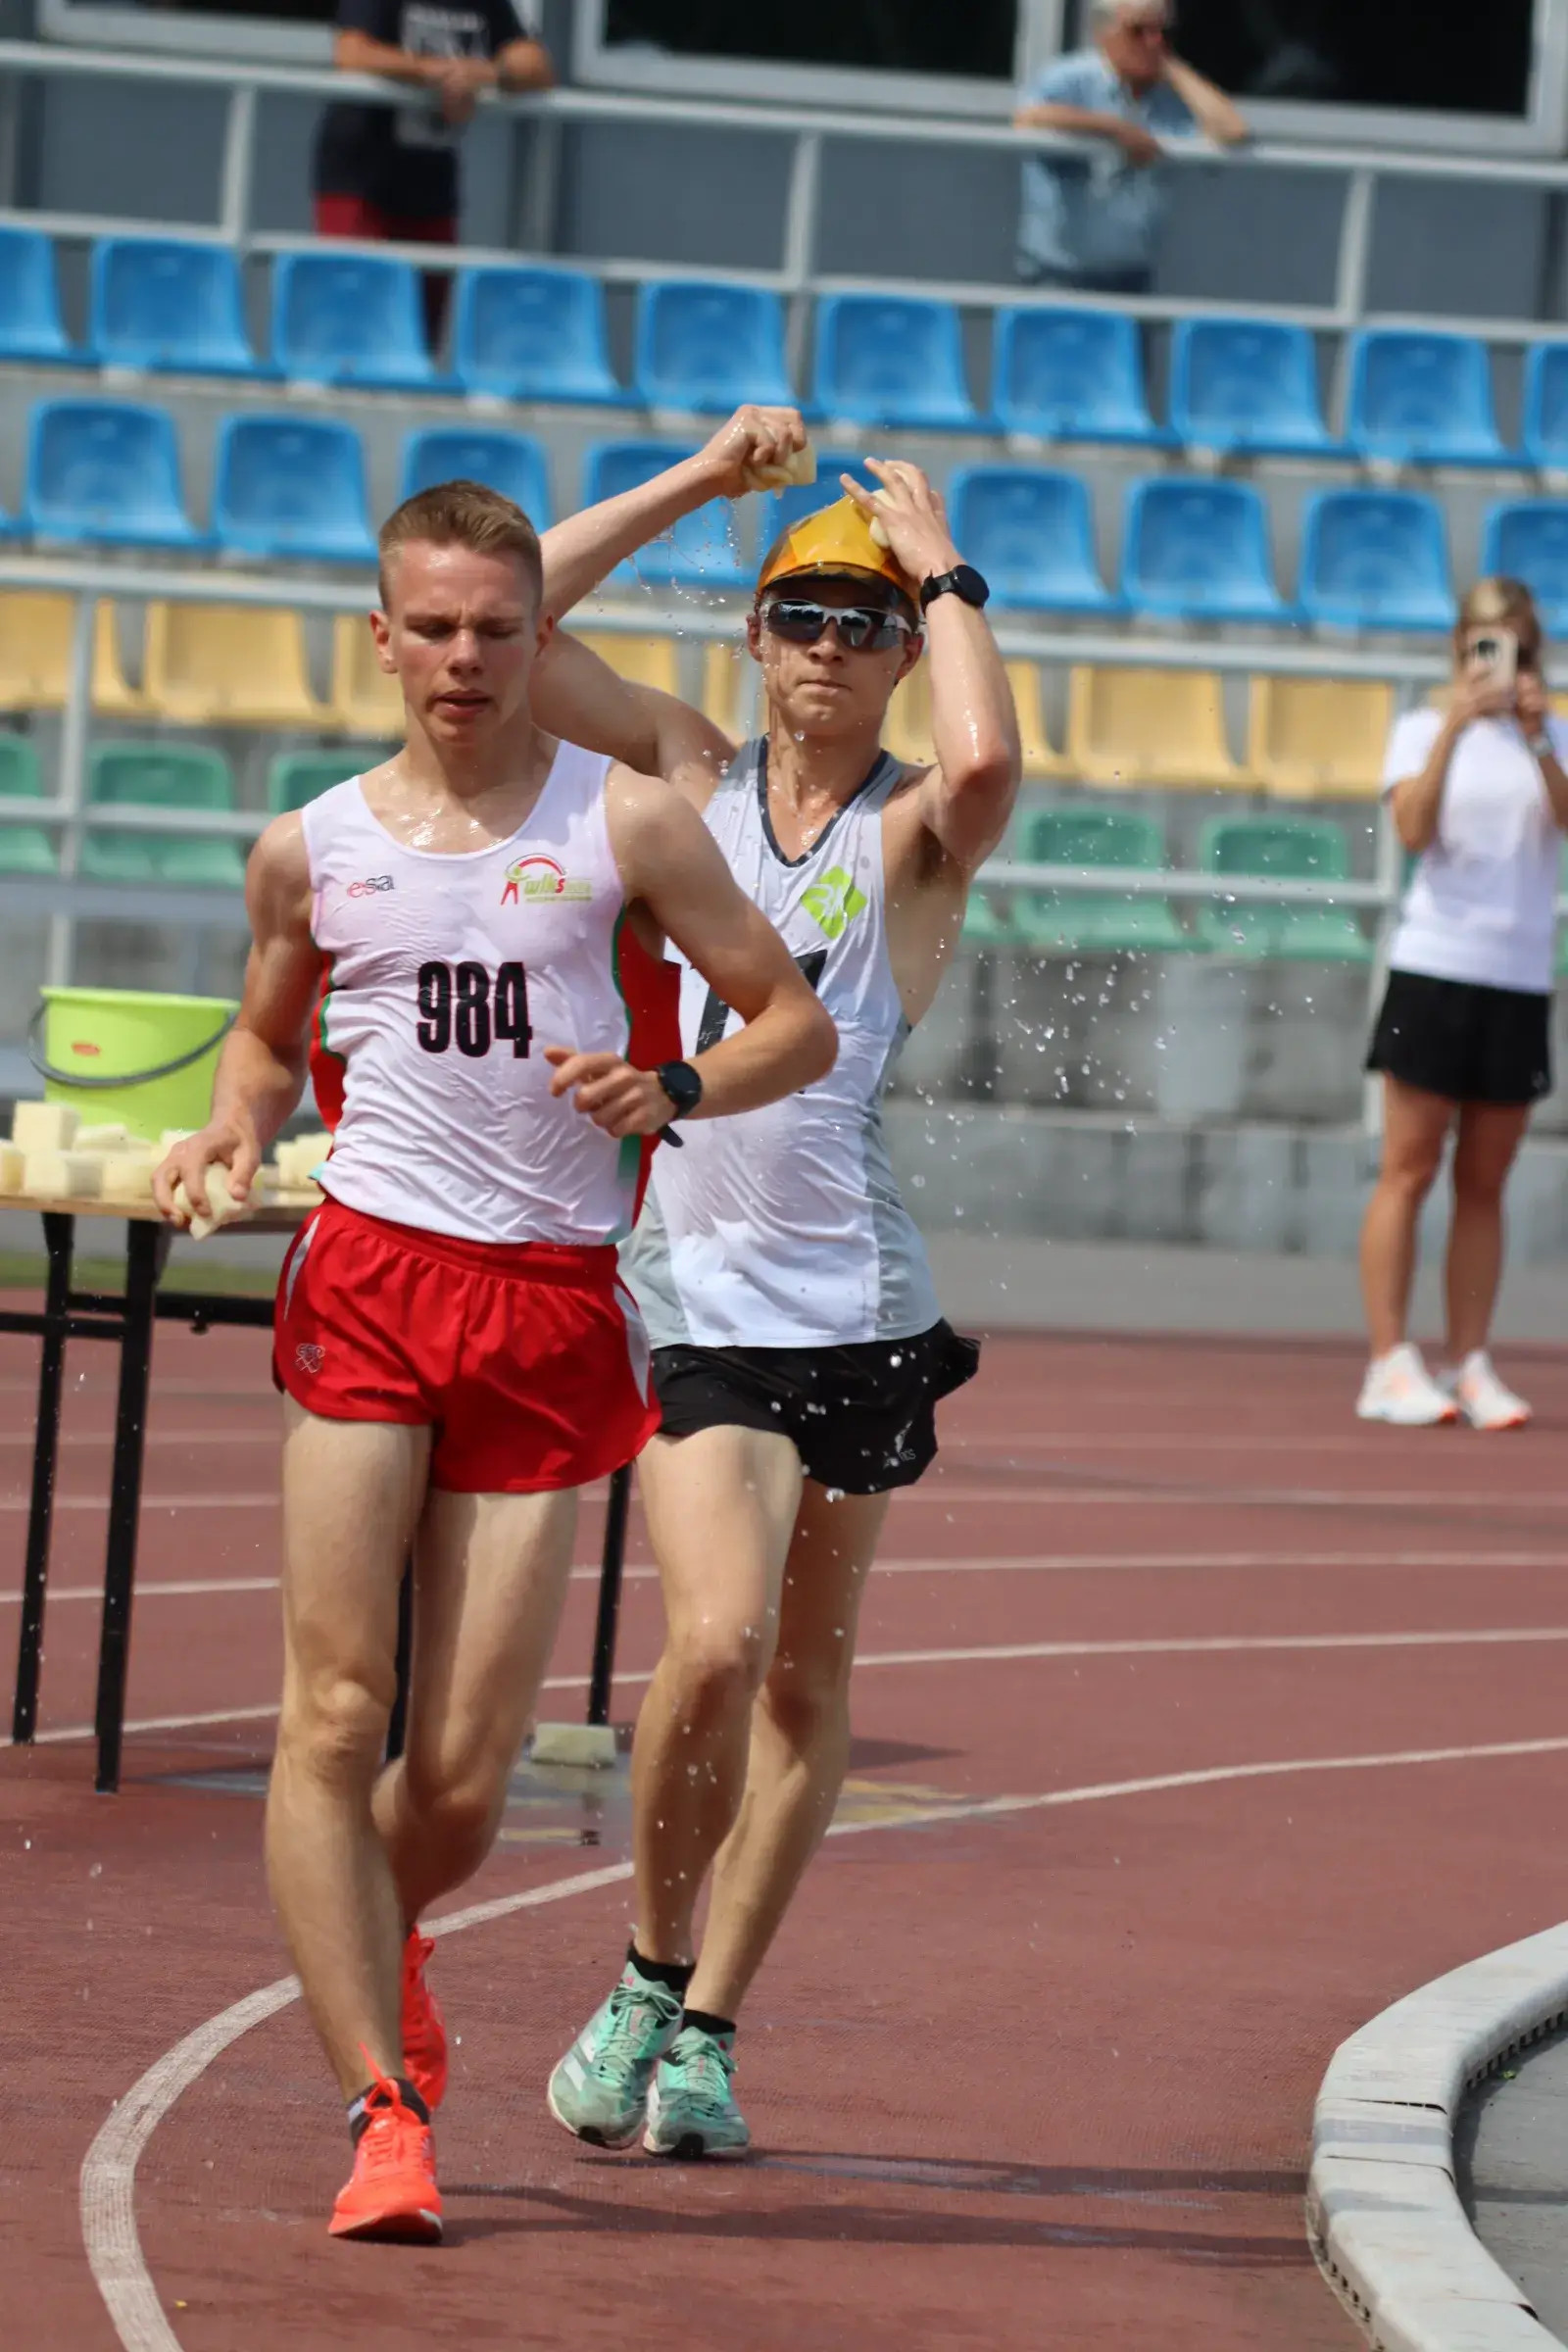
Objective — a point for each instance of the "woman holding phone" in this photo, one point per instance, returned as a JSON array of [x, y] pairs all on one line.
[[1479, 793]]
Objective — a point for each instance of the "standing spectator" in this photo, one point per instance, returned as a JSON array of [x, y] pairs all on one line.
[[1094, 223], [391, 172], [1479, 793]]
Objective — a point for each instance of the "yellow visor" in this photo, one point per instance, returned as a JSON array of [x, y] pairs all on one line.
[[836, 538]]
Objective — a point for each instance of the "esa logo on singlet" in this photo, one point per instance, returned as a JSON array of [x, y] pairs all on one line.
[[372, 886], [534, 881]]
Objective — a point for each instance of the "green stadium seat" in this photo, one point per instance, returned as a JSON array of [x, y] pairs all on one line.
[[1095, 922], [296, 777], [1280, 849], [152, 775], [23, 849], [984, 926]]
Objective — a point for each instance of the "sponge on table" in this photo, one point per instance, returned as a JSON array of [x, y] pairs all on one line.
[[62, 1175], [43, 1126]]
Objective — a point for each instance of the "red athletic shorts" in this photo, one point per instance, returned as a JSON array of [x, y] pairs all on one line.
[[528, 1361], [356, 216]]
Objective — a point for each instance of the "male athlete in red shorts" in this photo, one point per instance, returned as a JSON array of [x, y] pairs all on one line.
[[470, 929]]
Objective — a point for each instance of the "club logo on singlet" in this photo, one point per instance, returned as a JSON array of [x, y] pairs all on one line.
[[834, 902], [535, 879]]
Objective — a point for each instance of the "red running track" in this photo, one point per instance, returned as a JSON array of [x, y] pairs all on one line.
[[1041, 2075]]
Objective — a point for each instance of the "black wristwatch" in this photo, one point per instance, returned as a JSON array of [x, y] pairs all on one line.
[[682, 1085], [962, 581]]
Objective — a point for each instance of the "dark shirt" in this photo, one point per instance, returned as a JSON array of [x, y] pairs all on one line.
[[403, 158]]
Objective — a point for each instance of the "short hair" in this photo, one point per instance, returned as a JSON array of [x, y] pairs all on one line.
[[463, 514]]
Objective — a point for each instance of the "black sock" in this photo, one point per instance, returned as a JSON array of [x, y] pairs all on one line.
[[705, 2022], [359, 2117], [673, 1974]]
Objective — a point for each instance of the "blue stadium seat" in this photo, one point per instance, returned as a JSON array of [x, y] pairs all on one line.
[[158, 301], [349, 318], [1527, 539], [1031, 533], [710, 347], [1199, 551], [30, 325], [1421, 399], [1246, 385], [512, 463], [1544, 434], [289, 486], [890, 360], [533, 334], [1071, 376], [782, 509], [1375, 559], [106, 471], [700, 553]]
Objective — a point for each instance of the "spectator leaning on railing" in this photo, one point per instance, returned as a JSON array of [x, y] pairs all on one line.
[[1480, 799], [1093, 222], [391, 172]]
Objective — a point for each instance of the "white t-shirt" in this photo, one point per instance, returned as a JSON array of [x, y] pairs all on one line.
[[1481, 904]]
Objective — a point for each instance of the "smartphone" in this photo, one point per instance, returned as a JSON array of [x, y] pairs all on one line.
[[1496, 650]]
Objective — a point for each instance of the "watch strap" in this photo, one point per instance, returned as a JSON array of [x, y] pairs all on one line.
[[1541, 745]]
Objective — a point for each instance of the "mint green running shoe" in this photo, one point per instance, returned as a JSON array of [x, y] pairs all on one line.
[[691, 2107], [600, 2088]]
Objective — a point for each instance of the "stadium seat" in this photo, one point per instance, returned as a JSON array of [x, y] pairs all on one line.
[[106, 471], [35, 632], [906, 730], [1247, 386], [1095, 922], [1150, 726], [533, 334], [730, 689], [23, 849], [512, 463], [291, 487], [701, 552], [1545, 430], [1527, 539], [987, 928], [1040, 754], [892, 359], [1319, 738], [1032, 534], [160, 776], [228, 665], [366, 702], [1280, 849], [160, 303], [1199, 551], [349, 318], [641, 661], [1422, 399], [1071, 376], [31, 324], [1375, 559], [705, 346], [296, 777]]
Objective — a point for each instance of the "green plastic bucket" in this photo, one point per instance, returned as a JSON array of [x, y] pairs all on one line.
[[122, 1055]]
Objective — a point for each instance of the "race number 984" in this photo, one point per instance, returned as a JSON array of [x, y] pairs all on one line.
[[465, 1005]]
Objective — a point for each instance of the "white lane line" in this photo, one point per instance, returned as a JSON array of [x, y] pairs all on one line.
[[1198, 1645], [153, 1591], [218, 1501], [1157, 1495], [1124, 1441], [108, 2170]]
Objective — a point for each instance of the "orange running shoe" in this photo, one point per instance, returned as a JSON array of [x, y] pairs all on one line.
[[424, 2032], [391, 2193]]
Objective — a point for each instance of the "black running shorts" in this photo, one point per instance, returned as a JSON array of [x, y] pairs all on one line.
[[862, 1417], [1464, 1041]]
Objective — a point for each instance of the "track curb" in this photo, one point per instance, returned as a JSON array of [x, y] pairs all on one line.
[[1382, 2212]]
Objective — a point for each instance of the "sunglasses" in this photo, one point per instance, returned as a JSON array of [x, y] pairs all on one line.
[[863, 629]]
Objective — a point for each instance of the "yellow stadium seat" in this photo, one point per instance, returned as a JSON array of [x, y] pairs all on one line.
[[366, 702], [1041, 756], [907, 731], [236, 666], [1150, 727], [640, 660], [1319, 738], [35, 628], [730, 680]]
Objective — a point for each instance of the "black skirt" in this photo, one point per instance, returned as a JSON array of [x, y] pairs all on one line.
[[1464, 1041]]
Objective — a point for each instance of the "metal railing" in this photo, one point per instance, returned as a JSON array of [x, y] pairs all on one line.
[[797, 274]]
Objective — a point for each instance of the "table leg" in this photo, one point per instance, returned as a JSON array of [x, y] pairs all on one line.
[[58, 1239], [609, 1574], [146, 1249]]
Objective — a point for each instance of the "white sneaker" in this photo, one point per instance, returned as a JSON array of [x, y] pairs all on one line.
[[1481, 1395], [1399, 1388]]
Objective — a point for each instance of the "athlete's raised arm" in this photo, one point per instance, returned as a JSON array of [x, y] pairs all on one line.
[[578, 697], [966, 800], [260, 1071], [672, 871], [585, 549]]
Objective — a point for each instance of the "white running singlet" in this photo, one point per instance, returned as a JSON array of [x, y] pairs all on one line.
[[445, 977], [783, 1227]]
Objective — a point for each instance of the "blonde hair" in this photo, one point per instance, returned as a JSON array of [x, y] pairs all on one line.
[[1501, 603], [462, 514]]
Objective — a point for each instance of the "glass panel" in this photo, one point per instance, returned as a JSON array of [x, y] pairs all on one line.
[[975, 41]]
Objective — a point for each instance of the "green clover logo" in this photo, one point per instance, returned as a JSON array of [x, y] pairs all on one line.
[[834, 902]]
